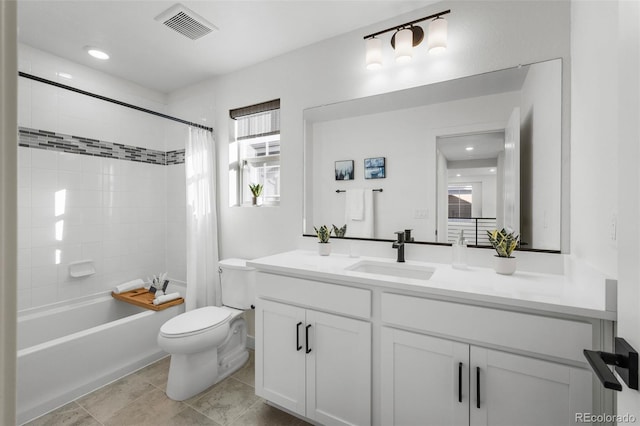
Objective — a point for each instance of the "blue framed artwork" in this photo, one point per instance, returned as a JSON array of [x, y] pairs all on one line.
[[374, 168]]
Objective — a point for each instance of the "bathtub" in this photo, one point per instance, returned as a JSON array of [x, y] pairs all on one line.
[[65, 351]]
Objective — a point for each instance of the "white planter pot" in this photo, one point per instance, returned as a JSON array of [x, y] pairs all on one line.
[[324, 249], [504, 265]]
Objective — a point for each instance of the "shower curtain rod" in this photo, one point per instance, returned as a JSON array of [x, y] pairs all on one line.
[[113, 101]]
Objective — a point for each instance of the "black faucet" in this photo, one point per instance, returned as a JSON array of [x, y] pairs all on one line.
[[399, 244]]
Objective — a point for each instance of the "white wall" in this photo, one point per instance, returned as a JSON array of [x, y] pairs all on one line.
[[407, 138], [594, 135], [128, 217], [483, 36]]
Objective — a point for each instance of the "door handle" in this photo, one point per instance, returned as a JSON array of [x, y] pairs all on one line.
[[306, 335], [459, 382], [625, 359], [298, 347], [478, 387]]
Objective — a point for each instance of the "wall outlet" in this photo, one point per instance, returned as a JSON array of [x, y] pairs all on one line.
[[421, 214]]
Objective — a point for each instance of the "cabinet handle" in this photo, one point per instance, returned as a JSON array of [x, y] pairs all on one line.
[[478, 387], [298, 347], [306, 335], [459, 382]]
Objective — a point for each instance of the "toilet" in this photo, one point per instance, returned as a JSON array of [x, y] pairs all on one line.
[[208, 344]]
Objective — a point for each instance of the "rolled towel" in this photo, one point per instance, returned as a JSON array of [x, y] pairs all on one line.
[[128, 286], [166, 298]]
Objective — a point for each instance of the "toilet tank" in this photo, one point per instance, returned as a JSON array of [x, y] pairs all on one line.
[[237, 281]]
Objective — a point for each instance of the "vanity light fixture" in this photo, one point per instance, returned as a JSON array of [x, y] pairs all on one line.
[[406, 37]]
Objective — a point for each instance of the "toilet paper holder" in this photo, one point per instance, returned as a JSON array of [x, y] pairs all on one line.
[[625, 360]]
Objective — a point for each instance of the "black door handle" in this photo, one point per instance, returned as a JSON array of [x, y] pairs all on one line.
[[478, 387], [298, 347], [625, 360], [459, 382], [306, 335]]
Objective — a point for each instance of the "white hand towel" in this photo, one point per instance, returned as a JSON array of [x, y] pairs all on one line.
[[362, 228], [128, 286], [166, 298], [355, 204]]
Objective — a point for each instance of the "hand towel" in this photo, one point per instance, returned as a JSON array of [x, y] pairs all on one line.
[[166, 298], [362, 228], [355, 204], [128, 286]]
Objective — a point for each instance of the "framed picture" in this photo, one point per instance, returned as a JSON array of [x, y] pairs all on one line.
[[344, 170], [374, 168]]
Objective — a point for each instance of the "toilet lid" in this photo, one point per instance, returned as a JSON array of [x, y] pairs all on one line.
[[195, 320]]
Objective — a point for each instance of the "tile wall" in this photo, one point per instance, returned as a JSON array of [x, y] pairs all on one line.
[[95, 182]]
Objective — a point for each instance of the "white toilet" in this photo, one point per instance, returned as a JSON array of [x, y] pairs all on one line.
[[208, 344]]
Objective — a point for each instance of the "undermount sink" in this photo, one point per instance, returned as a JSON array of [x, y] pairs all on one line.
[[400, 270]]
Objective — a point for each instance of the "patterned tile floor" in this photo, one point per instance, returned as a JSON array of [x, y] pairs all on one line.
[[139, 399]]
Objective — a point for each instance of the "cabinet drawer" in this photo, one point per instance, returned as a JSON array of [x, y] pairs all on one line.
[[355, 302], [532, 333]]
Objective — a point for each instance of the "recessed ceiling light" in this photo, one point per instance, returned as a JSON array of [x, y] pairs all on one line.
[[458, 175], [469, 148], [492, 170], [97, 53]]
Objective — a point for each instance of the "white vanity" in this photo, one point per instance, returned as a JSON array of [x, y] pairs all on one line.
[[362, 341]]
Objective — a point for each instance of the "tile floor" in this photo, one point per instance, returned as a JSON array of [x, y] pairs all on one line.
[[139, 399]]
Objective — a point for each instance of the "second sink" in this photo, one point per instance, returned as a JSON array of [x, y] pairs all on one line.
[[416, 272]]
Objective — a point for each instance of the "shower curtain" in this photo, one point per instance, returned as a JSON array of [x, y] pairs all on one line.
[[203, 281]]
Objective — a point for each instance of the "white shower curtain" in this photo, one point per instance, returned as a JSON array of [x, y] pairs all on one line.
[[203, 281]]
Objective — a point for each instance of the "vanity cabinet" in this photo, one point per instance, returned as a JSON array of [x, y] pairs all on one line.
[[429, 380], [433, 381], [313, 363]]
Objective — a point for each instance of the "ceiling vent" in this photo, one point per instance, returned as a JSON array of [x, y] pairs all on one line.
[[185, 21]]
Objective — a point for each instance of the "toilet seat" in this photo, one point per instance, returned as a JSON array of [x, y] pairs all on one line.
[[195, 322]]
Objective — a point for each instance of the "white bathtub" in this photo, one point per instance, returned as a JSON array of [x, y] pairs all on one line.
[[67, 351]]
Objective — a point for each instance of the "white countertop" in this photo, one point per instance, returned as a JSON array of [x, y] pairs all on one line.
[[528, 290]]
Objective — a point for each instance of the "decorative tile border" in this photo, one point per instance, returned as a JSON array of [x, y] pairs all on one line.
[[42, 139], [175, 157]]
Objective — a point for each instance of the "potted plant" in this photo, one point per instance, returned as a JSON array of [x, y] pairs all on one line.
[[323, 235], [256, 190], [339, 232], [504, 242]]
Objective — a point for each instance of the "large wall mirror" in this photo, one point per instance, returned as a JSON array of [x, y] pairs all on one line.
[[468, 155]]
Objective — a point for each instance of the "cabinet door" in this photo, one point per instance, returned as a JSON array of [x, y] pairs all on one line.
[[338, 370], [517, 390], [280, 355], [425, 380]]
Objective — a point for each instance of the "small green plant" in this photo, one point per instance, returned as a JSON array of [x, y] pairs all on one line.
[[256, 189], [323, 233], [503, 241], [339, 232]]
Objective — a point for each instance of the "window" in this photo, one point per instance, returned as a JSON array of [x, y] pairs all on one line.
[[460, 200], [254, 154]]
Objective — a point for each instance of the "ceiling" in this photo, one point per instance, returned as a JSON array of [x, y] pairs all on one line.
[[148, 53]]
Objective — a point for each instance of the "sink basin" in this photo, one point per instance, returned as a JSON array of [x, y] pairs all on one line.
[[400, 270]]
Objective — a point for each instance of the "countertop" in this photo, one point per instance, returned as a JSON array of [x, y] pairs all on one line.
[[549, 293]]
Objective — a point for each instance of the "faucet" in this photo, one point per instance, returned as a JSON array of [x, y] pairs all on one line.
[[399, 244]]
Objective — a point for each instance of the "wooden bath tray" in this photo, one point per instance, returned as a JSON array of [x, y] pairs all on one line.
[[141, 297]]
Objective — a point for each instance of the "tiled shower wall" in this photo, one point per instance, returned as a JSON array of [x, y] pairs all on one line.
[[96, 181]]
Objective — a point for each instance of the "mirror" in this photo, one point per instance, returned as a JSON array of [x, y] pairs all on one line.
[[470, 154]]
